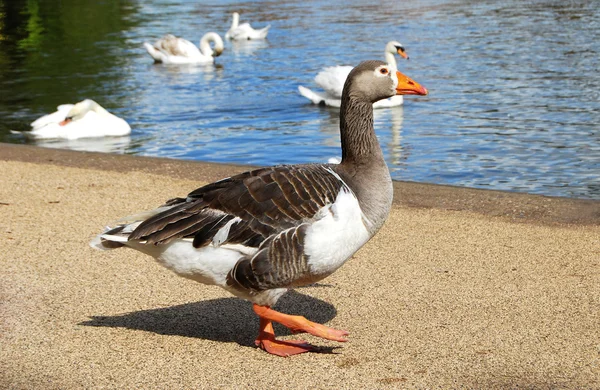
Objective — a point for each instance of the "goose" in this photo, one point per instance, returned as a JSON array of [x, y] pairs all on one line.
[[85, 119], [258, 234], [332, 79], [244, 31], [173, 50]]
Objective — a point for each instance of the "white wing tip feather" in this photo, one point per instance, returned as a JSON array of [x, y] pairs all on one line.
[[97, 243], [112, 237], [310, 95], [102, 241], [318, 99]]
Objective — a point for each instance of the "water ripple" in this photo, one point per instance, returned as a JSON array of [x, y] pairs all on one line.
[[514, 87]]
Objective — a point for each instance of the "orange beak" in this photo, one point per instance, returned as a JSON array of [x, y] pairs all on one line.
[[407, 86], [66, 121], [402, 54]]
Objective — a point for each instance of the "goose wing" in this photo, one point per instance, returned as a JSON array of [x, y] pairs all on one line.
[[253, 206]]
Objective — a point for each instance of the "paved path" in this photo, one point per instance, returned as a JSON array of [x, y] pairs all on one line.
[[460, 289]]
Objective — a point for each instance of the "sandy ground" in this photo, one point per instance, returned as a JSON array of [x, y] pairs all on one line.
[[460, 289]]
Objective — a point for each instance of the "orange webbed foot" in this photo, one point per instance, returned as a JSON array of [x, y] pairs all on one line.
[[297, 324], [285, 348]]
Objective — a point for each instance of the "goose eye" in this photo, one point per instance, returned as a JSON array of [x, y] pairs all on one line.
[[383, 71]]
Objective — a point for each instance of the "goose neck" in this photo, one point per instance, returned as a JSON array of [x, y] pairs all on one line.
[[359, 142]]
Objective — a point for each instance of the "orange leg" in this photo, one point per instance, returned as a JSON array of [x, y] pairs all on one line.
[[266, 336]]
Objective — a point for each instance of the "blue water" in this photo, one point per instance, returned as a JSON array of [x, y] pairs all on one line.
[[514, 87]]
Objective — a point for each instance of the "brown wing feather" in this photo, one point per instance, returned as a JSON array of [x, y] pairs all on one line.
[[170, 44], [267, 201], [279, 262]]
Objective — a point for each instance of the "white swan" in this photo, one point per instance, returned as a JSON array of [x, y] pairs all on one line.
[[332, 80], [244, 31], [85, 119], [172, 50]]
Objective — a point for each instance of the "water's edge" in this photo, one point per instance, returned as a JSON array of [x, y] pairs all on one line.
[[513, 206], [513, 102]]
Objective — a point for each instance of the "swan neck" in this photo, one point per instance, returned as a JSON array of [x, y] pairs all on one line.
[[236, 20], [205, 48], [80, 109], [98, 108], [390, 58]]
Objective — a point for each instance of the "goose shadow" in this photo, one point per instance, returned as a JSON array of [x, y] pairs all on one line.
[[223, 319]]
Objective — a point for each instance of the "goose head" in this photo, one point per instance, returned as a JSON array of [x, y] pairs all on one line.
[[375, 80], [80, 109]]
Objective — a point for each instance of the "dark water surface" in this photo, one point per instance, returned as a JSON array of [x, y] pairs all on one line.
[[514, 86]]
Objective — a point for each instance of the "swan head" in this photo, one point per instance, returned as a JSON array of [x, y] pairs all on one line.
[[218, 44], [395, 47], [80, 109], [217, 51]]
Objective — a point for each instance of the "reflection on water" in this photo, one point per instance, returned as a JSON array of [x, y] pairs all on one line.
[[392, 118], [514, 87], [105, 145], [387, 122], [248, 47], [171, 70]]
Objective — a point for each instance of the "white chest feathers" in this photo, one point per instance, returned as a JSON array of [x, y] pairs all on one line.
[[337, 234]]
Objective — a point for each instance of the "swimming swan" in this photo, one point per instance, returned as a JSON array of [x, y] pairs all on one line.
[[244, 31], [173, 50], [85, 119], [332, 80]]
